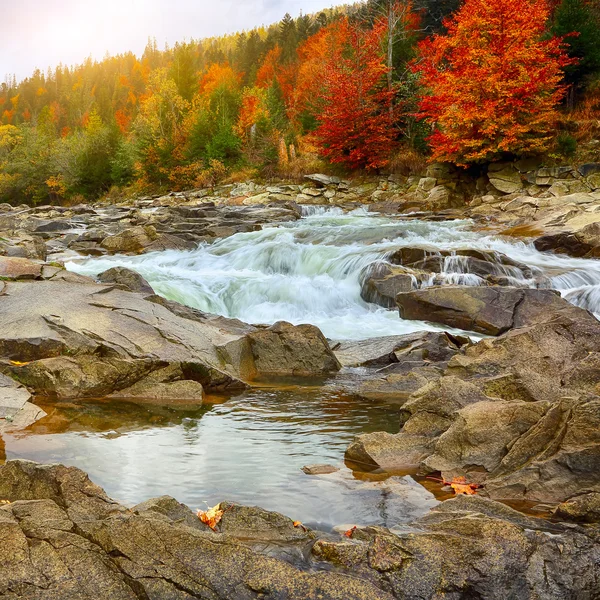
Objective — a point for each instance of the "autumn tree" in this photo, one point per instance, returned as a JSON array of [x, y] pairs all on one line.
[[493, 82], [356, 127]]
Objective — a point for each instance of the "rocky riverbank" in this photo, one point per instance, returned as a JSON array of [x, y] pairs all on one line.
[[517, 413], [64, 538]]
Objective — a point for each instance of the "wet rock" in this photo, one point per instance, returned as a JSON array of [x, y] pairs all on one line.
[[471, 548], [397, 388], [254, 523], [584, 242], [519, 413], [285, 350], [488, 310], [63, 538], [131, 280], [320, 469], [422, 347], [381, 283], [388, 451]]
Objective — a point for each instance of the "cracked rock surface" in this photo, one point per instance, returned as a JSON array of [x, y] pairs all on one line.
[[63, 538]]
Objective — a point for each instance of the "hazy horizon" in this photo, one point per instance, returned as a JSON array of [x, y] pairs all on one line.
[[38, 34]]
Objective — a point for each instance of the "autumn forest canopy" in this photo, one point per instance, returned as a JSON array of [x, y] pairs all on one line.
[[360, 87]]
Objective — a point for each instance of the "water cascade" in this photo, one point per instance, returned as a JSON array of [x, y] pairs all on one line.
[[309, 271]]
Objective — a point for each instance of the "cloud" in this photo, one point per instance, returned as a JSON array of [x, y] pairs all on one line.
[[44, 33]]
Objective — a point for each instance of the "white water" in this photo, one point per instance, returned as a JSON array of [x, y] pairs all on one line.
[[309, 271]]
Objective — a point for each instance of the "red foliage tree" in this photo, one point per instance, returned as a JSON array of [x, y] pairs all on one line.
[[356, 124], [493, 82]]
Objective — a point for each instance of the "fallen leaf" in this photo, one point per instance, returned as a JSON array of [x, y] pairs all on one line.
[[5, 502], [299, 524], [16, 363], [212, 516], [350, 532], [461, 487]]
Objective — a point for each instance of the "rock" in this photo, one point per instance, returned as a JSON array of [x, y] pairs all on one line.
[[519, 413], [471, 441], [589, 169], [397, 388], [388, 451], [131, 280], [63, 538], [320, 469], [130, 241], [469, 547], [19, 268], [562, 243], [285, 350], [488, 310], [16, 409], [381, 283], [323, 180], [254, 523], [421, 347], [584, 508], [90, 340], [507, 180]]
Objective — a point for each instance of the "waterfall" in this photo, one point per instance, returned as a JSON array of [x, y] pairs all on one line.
[[309, 271]]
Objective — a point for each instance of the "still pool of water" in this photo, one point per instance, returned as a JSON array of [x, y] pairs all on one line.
[[249, 449]]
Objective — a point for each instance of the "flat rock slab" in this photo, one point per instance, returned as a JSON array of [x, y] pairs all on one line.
[[16, 410], [19, 268]]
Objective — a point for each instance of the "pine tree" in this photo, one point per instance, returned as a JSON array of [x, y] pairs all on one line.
[[576, 21]]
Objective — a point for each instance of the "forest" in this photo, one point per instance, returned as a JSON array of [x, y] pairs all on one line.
[[379, 85]]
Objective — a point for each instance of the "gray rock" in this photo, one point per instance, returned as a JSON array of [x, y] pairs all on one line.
[[131, 280], [488, 310]]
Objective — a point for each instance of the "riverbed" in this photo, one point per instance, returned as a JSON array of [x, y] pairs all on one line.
[[251, 448]]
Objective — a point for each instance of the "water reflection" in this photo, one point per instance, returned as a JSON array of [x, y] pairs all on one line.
[[249, 449]]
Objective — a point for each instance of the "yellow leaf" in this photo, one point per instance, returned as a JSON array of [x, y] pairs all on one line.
[[212, 516]]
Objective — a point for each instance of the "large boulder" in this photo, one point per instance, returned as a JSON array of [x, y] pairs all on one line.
[[487, 310], [286, 350], [381, 283], [130, 241]]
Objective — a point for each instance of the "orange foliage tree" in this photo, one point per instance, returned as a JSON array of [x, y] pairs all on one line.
[[356, 124], [493, 82]]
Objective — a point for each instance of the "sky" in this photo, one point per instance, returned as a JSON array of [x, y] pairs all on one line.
[[44, 33]]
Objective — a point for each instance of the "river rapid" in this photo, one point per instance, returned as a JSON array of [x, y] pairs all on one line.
[[251, 448], [309, 271]]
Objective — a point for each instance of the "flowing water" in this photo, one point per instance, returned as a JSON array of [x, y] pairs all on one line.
[[251, 448], [309, 271]]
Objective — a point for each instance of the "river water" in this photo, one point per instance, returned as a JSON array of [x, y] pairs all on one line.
[[251, 448]]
